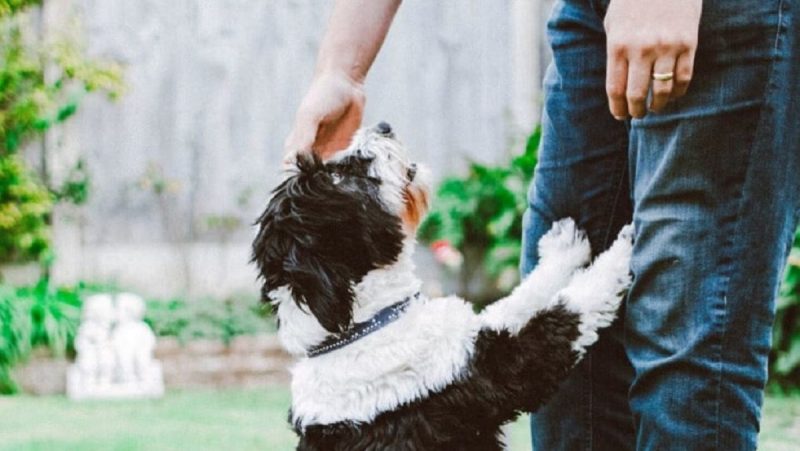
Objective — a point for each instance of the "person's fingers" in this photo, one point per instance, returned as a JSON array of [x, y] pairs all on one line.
[[639, 73], [616, 82], [336, 135], [662, 86], [684, 71], [327, 119], [289, 160], [302, 136]]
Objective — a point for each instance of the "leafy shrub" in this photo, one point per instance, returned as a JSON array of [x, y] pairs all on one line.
[[46, 316], [8, 7], [212, 319], [31, 102], [24, 207], [15, 333], [41, 315], [481, 215], [785, 357]]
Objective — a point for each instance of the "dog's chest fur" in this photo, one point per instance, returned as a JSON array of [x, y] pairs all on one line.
[[454, 396], [422, 352]]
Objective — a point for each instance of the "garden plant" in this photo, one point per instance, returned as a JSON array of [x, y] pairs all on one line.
[[480, 215], [42, 82]]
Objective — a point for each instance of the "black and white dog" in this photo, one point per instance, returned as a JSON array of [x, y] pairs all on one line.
[[381, 367]]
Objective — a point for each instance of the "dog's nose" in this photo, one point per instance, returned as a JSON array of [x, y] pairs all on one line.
[[411, 172], [383, 128]]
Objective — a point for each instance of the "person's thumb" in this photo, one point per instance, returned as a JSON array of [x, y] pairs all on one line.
[[300, 139]]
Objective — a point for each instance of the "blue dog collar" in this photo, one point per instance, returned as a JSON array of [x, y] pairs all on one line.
[[384, 317]]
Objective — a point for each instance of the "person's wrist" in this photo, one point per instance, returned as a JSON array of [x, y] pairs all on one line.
[[340, 75]]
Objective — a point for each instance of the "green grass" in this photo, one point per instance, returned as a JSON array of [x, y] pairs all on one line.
[[780, 427], [191, 420], [253, 419]]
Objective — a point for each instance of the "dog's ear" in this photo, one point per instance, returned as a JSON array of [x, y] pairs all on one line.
[[321, 285], [323, 289], [323, 230]]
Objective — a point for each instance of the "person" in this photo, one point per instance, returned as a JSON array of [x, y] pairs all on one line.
[[682, 116]]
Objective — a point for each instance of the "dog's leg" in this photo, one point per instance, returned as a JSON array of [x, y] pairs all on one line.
[[518, 371], [596, 293], [562, 251]]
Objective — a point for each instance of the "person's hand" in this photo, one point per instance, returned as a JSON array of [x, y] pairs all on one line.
[[649, 41], [328, 116]]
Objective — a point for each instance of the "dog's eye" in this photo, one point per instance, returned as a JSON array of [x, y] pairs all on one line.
[[364, 155], [336, 177]]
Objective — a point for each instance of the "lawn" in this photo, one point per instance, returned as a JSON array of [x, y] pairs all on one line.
[[253, 419]]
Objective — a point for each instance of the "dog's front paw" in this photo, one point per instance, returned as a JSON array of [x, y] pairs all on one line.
[[626, 235], [620, 252], [596, 293], [567, 243]]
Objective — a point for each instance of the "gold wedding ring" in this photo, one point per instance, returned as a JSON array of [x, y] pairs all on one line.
[[666, 76]]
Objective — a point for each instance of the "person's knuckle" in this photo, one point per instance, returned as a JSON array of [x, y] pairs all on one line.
[[617, 48], [647, 45], [684, 74], [660, 44], [636, 108], [617, 110], [643, 49], [644, 44], [661, 89], [683, 44], [615, 91], [636, 97]]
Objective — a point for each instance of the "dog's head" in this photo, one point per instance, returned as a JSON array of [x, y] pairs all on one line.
[[330, 223]]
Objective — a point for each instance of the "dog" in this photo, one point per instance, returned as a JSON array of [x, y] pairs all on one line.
[[381, 366]]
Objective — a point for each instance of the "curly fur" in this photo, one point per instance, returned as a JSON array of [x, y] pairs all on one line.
[[334, 247]]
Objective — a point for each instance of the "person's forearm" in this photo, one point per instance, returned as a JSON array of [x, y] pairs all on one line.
[[356, 31]]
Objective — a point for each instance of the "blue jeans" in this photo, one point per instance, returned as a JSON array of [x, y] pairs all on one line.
[[713, 187]]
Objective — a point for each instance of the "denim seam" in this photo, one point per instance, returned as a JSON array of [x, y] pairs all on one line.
[[611, 206], [727, 260], [780, 27], [619, 174], [769, 89], [590, 416]]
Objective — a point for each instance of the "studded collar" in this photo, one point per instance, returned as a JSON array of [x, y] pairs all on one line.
[[384, 317]]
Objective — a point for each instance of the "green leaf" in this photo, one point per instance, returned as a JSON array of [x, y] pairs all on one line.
[[503, 223], [482, 212], [790, 360]]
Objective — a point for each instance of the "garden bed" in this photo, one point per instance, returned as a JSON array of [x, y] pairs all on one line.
[[246, 361]]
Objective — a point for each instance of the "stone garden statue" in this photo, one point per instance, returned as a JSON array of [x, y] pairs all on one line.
[[133, 341], [114, 351], [95, 359]]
